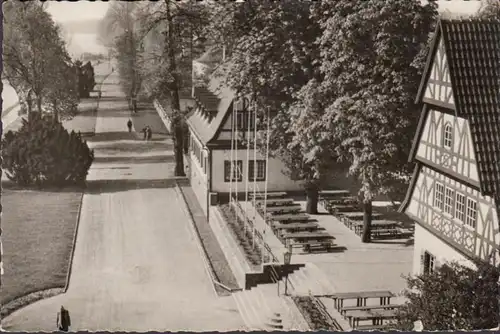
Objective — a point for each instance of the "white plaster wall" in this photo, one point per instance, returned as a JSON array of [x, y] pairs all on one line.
[[465, 163], [426, 241], [277, 180]]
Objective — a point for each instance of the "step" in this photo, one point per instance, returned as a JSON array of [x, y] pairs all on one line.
[[257, 305], [277, 305], [245, 313], [299, 284], [325, 287], [253, 306], [306, 281]]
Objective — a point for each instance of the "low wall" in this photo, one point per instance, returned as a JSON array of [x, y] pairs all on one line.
[[236, 259], [163, 115]]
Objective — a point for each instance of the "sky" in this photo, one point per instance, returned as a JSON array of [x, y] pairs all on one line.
[[76, 11], [459, 6]]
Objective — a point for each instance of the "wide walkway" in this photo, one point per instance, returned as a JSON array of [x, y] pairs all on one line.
[[137, 266]]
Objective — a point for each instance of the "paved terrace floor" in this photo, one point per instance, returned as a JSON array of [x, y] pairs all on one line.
[[137, 266], [361, 267]]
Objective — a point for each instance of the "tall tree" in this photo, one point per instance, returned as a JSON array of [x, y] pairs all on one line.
[[36, 62], [490, 9], [180, 23], [272, 59], [372, 59]]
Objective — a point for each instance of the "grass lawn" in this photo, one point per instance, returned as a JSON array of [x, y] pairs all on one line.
[[38, 230]]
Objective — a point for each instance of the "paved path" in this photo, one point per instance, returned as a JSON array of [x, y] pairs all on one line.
[[137, 266]]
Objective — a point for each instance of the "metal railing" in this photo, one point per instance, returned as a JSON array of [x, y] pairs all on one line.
[[334, 325]]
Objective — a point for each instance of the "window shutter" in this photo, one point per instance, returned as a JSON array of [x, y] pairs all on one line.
[[227, 170], [422, 262], [250, 169]]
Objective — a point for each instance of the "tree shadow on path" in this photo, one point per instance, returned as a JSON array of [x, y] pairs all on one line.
[[117, 185]]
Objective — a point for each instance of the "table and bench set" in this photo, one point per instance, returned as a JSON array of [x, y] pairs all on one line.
[[377, 314], [348, 210], [290, 225]]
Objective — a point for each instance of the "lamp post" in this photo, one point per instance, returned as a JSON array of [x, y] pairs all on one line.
[[287, 258]]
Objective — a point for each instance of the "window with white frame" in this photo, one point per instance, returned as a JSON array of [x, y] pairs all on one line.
[[438, 195], [448, 135], [460, 207], [259, 169], [235, 171], [429, 263], [471, 217], [449, 196]]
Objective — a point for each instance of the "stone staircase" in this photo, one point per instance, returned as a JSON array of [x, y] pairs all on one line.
[[262, 308], [309, 280]]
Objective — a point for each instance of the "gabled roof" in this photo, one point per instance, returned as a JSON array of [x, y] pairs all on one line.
[[216, 99], [473, 54]]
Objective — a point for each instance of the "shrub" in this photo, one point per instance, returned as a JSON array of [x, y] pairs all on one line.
[[43, 153], [453, 297]]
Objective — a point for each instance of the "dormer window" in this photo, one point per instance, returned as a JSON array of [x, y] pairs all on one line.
[[448, 136]]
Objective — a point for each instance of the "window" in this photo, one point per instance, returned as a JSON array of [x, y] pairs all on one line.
[[460, 207], [236, 171], [438, 195], [471, 217], [261, 170], [448, 135], [429, 263], [242, 120], [449, 196]]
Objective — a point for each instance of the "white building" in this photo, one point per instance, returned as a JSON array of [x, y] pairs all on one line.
[[454, 196], [210, 150]]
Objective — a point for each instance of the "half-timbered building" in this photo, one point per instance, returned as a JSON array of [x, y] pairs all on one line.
[[454, 195], [209, 158]]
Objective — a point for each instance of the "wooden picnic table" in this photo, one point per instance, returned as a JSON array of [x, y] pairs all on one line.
[[361, 297], [295, 226], [289, 208], [376, 315], [308, 236], [346, 309], [269, 195], [333, 193], [377, 225], [275, 201], [341, 208], [290, 217]]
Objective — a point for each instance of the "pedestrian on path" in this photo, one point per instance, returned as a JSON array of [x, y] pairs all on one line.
[[145, 132], [129, 125], [150, 133], [63, 320]]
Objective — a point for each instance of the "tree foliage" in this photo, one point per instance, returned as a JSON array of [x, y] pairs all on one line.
[[35, 59], [42, 153], [453, 297], [490, 9]]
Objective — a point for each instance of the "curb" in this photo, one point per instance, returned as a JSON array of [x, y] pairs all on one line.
[[194, 231], [75, 235]]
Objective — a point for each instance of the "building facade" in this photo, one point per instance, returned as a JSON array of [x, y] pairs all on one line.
[[454, 195], [210, 151]]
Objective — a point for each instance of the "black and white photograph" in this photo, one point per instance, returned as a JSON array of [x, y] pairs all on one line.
[[250, 165]]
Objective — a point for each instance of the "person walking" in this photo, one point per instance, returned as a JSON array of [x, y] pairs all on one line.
[[63, 320], [150, 133], [145, 132], [129, 125]]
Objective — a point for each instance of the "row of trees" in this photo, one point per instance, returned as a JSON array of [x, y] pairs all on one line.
[[36, 62], [341, 87]]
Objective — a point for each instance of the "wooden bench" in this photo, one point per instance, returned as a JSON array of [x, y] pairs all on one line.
[[346, 309], [375, 327], [284, 209], [295, 226], [377, 317], [289, 217], [310, 246], [274, 202], [361, 297], [269, 195]]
